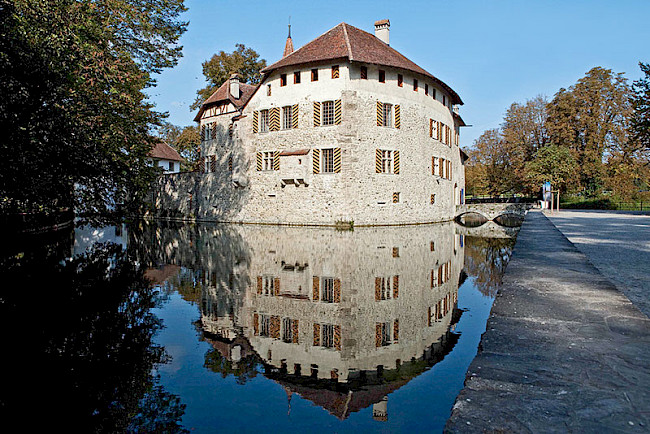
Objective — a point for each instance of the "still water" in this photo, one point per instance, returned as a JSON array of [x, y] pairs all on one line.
[[205, 328]]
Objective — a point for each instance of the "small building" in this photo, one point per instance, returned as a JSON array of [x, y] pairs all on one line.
[[166, 157]]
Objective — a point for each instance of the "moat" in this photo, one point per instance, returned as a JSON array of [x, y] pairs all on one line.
[[246, 328]]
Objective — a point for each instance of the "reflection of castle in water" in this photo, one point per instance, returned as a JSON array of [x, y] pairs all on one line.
[[341, 318]]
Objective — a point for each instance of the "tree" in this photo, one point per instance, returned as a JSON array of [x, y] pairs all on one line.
[[490, 165], [590, 118], [243, 61], [72, 107], [640, 123], [186, 140], [554, 164]]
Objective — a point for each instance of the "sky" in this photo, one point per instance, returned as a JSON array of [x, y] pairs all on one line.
[[492, 53]]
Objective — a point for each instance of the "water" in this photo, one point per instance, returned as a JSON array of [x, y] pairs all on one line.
[[247, 328]]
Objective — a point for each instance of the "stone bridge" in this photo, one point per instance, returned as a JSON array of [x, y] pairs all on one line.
[[492, 210], [487, 230]]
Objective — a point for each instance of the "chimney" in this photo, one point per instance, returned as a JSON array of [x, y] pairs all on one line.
[[234, 86], [382, 27]]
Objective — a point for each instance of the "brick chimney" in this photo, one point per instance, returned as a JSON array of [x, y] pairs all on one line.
[[382, 27], [234, 86]]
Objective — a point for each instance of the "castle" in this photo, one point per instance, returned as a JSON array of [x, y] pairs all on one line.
[[344, 129]]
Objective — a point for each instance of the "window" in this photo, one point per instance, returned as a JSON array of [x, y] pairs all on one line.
[[388, 115], [382, 337], [433, 93], [444, 100], [426, 89], [171, 166], [328, 113], [436, 166], [268, 90], [267, 160], [364, 73], [314, 75], [265, 329], [283, 79], [335, 71], [287, 117], [207, 132], [327, 336], [328, 290], [386, 161], [264, 121], [296, 77], [415, 85], [384, 288], [382, 76], [400, 80], [289, 330], [327, 160]]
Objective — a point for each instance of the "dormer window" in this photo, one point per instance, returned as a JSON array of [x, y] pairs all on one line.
[[444, 100], [382, 76], [426, 89], [283, 79], [400, 80], [296, 77], [314, 75]]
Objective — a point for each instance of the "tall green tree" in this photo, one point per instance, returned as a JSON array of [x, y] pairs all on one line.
[[591, 119], [72, 106], [554, 164], [640, 123], [490, 169], [243, 61], [186, 140]]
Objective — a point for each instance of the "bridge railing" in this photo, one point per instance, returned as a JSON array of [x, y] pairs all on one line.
[[500, 199]]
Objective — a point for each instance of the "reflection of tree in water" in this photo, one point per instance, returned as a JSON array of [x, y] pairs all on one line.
[[486, 260], [243, 370], [80, 343]]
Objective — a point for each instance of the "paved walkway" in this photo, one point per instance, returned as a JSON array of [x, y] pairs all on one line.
[[564, 350], [618, 244]]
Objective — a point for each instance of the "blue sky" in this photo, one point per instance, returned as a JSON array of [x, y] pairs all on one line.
[[493, 53]]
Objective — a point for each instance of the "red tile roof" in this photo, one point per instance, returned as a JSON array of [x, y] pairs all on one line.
[[223, 94], [348, 42], [162, 151]]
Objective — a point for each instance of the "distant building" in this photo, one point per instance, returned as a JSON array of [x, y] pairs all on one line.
[[166, 157], [343, 129]]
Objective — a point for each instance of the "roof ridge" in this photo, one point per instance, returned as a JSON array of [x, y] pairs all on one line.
[[347, 40]]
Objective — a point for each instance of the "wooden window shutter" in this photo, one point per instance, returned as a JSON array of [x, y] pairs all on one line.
[[259, 162], [377, 288], [440, 281], [380, 113], [294, 116], [259, 284], [317, 114], [441, 167], [337, 290], [335, 71], [337, 160], [230, 131], [337, 337], [337, 112], [396, 162], [213, 163], [396, 331], [398, 117], [433, 281], [276, 286], [294, 331], [202, 132], [256, 118], [276, 160], [433, 165], [439, 131], [430, 127], [214, 130], [378, 166], [230, 164], [316, 334], [378, 335], [274, 121], [202, 165], [256, 324], [429, 316], [274, 326], [315, 158], [395, 286], [315, 288]]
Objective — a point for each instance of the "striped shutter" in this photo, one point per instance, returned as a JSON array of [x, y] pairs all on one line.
[[202, 132], [274, 327], [230, 131], [294, 331], [315, 288], [337, 337], [317, 114], [398, 117], [202, 165], [315, 158], [335, 71], [230, 164], [213, 163], [256, 119], [430, 127], [256, 324], [259, 161], [274, 122], [316, 334], [337, 290], [433, 165], [259, 284], [441, 167], [337, 112], [380, 113], [337, 160], [214, 130], [378, 161], [276, 160], [439, 131], [276, 286], [377, 288], [396, 162], [396, 331], [294, 116], [378, 335], [395, 286]]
